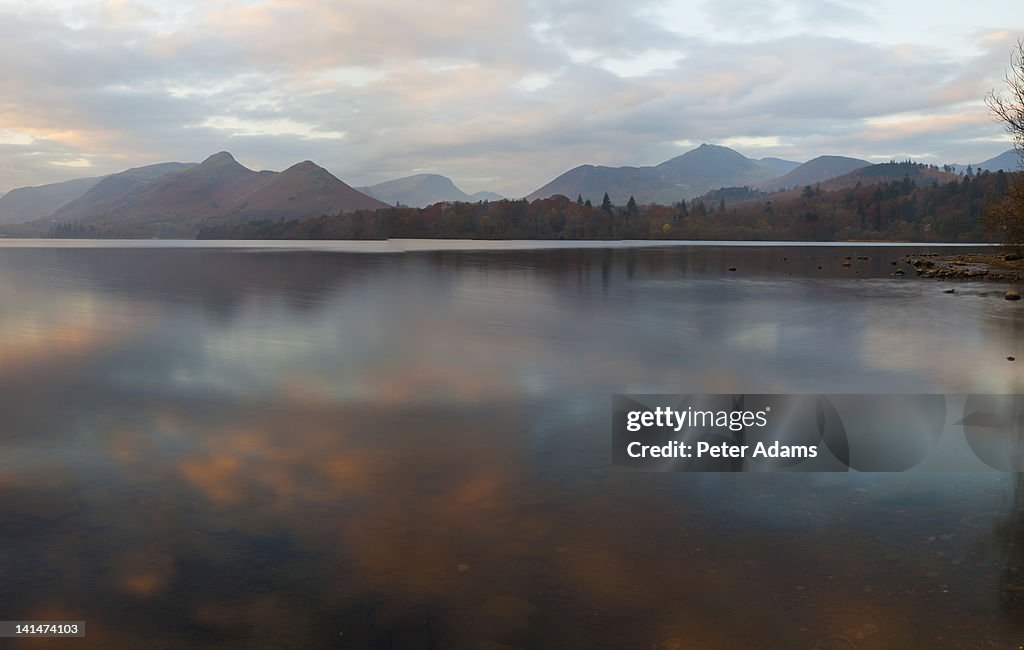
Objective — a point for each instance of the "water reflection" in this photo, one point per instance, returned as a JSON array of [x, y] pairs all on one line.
[[208, 448]]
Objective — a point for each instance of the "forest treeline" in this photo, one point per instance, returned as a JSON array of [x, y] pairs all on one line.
[[896, 209]]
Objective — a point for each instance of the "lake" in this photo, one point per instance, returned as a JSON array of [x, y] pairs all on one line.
[[407, 445]]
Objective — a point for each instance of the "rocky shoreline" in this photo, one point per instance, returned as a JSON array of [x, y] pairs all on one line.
[[1000, 267]]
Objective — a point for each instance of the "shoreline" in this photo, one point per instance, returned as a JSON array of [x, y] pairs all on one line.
[[996, 267]]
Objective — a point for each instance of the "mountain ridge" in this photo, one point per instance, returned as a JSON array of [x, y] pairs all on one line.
[[686, 176], [217, 190]]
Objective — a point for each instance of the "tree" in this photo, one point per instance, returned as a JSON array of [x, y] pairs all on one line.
[[1007, 106], [632, 209], [682, 212], [606, 203], [579, 199]]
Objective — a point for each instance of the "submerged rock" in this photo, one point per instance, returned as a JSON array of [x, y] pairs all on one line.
[[1011, 295]]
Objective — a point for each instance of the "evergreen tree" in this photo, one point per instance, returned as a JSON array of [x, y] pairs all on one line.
[[682, 212], [606, 203], [632, 209]]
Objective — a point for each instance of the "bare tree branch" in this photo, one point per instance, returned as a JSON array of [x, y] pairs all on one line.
[[1007, 105]]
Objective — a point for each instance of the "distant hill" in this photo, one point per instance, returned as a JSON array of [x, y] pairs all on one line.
[[218, 190], [778, 166], [421, 190], [922, 175], [646, 184], [814, 171], [417, 191], [683, 177], [1008, 161], [890, 172], [486, 196], [27, 203]]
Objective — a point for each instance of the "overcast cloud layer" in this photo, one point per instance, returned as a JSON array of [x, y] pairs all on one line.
[[497, 94]]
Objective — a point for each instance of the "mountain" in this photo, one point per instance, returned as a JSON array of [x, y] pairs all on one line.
[[218, 190], [27, 203], [421, 190], [113, 191], [1008, 161], [691, 174], [814, 171], [302, 190], [778, 166], [710, 166]]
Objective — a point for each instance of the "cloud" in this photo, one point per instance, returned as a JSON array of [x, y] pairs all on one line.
[[497, 94]]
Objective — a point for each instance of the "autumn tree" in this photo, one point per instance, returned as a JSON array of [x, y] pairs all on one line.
[[1007, 105]]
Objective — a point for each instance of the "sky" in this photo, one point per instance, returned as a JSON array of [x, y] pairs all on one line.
[[498, 95]]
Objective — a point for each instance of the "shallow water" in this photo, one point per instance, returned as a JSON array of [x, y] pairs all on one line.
[[231, 445]]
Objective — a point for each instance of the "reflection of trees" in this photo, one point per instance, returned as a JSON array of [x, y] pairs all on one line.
[[221, 279], [625, 264]]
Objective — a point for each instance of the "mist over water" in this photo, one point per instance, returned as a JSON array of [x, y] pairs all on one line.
[[239, 446]]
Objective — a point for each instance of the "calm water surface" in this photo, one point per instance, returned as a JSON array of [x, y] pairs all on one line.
[[247, 447]]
